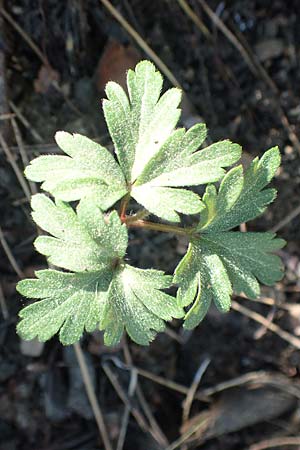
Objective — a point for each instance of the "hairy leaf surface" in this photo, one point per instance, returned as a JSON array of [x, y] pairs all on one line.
[[109, 299], [154, 158], [140, 124], [219, 261], [89, 171], [79, 242]]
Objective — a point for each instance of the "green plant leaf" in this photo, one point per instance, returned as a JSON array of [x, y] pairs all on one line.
[[179, 162], [72, 303], [240, 197], [219, 261], [154, 157], [141, 124], [109, 299], [89, 170], [79, 242], [136, 303]]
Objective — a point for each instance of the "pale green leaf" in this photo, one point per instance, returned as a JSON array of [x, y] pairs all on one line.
[[89, 170], [180, 162], [164, 202], [109, 299], [240, 197], [219, 260], [141, 124], [136, 303], [79, 242], [72, 303]]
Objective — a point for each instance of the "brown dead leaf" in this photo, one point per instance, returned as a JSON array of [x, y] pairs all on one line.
[[240, 408], [46, 77], [114, 63]]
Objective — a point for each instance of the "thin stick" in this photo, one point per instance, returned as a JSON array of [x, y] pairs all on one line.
[[9, 255], [141, 42], [230, 36], [25, 122], [288, 337], [277, 442], [255, 67], [92, 397], [187, 404], [134, 411], [22, 151], [190, 13], [25, 36], [259, 377], [6, 116], [199, 426], [282, 223], [124, 426], [15, 167], [161, 438], [3, 304]]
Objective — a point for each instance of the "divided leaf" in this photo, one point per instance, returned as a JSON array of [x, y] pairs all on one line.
[[89, 171], [71, 303], [103, 292], [241, 197], [141, 124], [219, 261], [108, 299], [155, 158], [178, 163], [79, 242], [136, 303], [155, 163]]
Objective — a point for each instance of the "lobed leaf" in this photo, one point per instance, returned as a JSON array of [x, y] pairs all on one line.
[[241, 197], [89, 170], [79, 242], [108, 299], [180, 163], [219, 261], [140, 124]]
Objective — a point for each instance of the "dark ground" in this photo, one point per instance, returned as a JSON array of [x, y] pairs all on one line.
[[256, 103]]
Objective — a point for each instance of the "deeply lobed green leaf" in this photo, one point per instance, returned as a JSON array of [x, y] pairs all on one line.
[[109, 299], [79, 242], [219, 261], [155, 164], [89, 171]]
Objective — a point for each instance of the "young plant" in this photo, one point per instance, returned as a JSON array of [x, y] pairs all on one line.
[[154, 163]]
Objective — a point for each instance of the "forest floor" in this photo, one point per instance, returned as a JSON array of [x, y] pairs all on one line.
[[232, 383]]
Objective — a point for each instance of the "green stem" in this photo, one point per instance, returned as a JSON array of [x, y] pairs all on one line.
[[161, 227], [138, 216]]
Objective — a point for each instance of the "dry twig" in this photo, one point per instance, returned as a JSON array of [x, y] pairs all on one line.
[[18, 173], [277, 442], [187, 404], [197, 21], [25, 122], [141, 42], [288, 337], [92, 397], [9, 255], [161, 438]]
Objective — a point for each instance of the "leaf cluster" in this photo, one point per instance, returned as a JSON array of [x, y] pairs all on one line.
[[156, 164]]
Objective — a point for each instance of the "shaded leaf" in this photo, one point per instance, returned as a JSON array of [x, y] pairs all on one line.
[[219, 261]]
